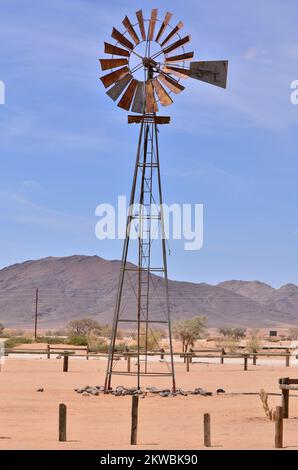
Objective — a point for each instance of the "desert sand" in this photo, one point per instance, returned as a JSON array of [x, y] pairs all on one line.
[[29, 419]]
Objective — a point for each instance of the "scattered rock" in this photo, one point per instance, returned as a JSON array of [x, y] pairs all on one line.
[[40, 390], [220, 390], [121, 391]]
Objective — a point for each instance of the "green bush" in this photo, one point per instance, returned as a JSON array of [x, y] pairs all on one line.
[[50, 340], [77, 340], [98, 346], [12, 342]]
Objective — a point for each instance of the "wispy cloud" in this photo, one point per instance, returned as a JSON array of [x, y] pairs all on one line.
[[22, 210]]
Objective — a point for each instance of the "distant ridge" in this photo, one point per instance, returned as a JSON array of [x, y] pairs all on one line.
[[79, 286]]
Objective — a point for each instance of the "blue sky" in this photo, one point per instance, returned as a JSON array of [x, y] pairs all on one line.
[[65, 147]]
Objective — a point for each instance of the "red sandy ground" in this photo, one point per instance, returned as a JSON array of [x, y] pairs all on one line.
[[28, 419]]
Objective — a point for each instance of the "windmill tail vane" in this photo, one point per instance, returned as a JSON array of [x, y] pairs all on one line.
[[145, 67]]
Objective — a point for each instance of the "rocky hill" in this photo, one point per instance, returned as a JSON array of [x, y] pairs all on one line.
[[80, 286]]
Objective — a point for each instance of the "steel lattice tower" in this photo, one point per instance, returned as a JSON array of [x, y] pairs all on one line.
[[147, 280]]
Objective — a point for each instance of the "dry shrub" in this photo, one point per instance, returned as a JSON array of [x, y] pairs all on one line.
[[264, 400]]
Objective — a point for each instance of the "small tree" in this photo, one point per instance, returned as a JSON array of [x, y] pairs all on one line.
[[153, 338], [106, 332], [235, 333], [253, 341], [84, 327], [188, 331], [293, 333]]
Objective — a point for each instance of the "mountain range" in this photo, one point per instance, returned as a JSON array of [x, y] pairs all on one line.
[[85, 286]]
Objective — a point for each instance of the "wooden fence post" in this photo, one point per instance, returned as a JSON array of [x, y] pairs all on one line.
[[245, 361], [134, 420], [287, 358], [254, 357], [187, 363], [128, 363], [207, 430], [278, 427], [222, 356], [49, 351], [65, 363], [285, 397], [87, 353], [62, 422]]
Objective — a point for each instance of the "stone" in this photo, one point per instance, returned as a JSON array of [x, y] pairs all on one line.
[[220, 390]]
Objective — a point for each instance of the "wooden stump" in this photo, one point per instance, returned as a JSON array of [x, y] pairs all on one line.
[[207, 430], [62, 422], [65, 363], [245, 362], [279, 427], [134, 420]]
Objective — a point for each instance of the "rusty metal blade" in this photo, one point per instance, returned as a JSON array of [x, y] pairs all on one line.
[[119, 87], [122, 39], [139, 101], [164, 25], [114, 50], [171, 83], [180, 58], [163, 96], [213, 72], [177, 44], [172, 33], [112, 77], [140, 18], [151, 105], [130, 29], [153, 20], [178, 71], [127, 98], [112, 63]]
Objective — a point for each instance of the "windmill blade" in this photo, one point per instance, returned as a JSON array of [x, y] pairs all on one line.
[[180, 58], [151, 105], [139, 101], [163, 96], [172, 33], [152, 24], [112, 63], [164, 25], [127, 98], [119, 87], [213, 72], [114, 50], [112, 77], [140, 18], [171, 83], [177, 44], [130, 29], [122, 39], [179, 71]]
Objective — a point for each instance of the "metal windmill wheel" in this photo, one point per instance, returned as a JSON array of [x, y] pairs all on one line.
[[146, 67], [163, 70]]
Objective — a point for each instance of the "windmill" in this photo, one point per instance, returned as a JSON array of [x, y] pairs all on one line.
[[146, 66]]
